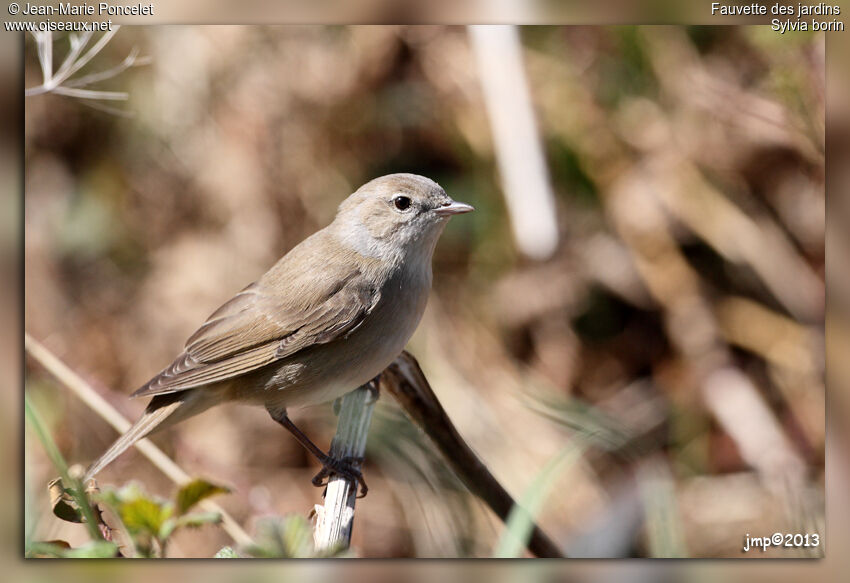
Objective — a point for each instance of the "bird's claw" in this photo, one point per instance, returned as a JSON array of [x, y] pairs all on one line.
[[345, 467]]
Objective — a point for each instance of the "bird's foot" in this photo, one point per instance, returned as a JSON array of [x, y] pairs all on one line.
[[346, 467]]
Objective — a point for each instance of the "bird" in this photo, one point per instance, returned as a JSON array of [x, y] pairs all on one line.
[[327, 318]]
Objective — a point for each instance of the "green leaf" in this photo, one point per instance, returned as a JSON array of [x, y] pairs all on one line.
[[195, 491], [144, 515], [60, 549], [140, 513], [194, 520], [116, 497], [151, 521], [198, 519], [167, 529], [99, 549], [46, 549], [288, 537], [226, 553], [521, 519]]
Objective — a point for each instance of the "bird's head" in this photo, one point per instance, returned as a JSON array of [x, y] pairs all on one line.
[[398, 214]]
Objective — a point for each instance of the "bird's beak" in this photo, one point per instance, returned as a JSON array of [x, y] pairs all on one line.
[[453, 208]]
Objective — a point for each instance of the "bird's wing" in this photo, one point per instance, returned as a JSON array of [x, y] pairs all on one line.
[[257, 327]]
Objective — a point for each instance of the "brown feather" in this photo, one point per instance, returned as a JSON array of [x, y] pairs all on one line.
[[265, 322]]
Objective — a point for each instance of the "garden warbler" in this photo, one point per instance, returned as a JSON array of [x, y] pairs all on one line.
[[328, 317]]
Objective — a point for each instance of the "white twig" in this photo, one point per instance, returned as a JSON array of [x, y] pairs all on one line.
[[335, 519], [61, 83], [78, 43], [78, 64], [44, 42], [131, 60], [91, 94]]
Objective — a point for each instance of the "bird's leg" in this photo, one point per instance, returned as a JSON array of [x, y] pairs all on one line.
[[345, 467]]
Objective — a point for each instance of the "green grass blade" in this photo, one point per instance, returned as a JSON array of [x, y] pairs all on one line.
[[664, 530], [76, 488], [522, 517]]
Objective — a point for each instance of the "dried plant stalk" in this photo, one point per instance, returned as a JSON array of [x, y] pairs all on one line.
[[335, 519]]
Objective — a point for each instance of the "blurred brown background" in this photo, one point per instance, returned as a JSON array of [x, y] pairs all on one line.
[[677, 330]]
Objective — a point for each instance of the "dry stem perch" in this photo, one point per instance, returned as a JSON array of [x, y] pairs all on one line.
[[335, 519], [405, 380]]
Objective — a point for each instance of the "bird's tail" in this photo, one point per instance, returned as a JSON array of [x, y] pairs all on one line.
[[171, 408]]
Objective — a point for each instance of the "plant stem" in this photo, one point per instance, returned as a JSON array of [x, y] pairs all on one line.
[[77, 490], [334, 520]]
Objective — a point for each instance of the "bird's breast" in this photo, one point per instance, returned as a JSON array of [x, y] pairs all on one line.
[[328, 371]]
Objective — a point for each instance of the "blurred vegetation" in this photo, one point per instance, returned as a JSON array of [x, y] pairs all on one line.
[[151, 522], [677, 332]]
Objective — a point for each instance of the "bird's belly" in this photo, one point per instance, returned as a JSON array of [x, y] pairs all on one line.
[[328, 371]]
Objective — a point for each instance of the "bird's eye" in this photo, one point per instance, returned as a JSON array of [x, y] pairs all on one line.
[[402, 203]]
